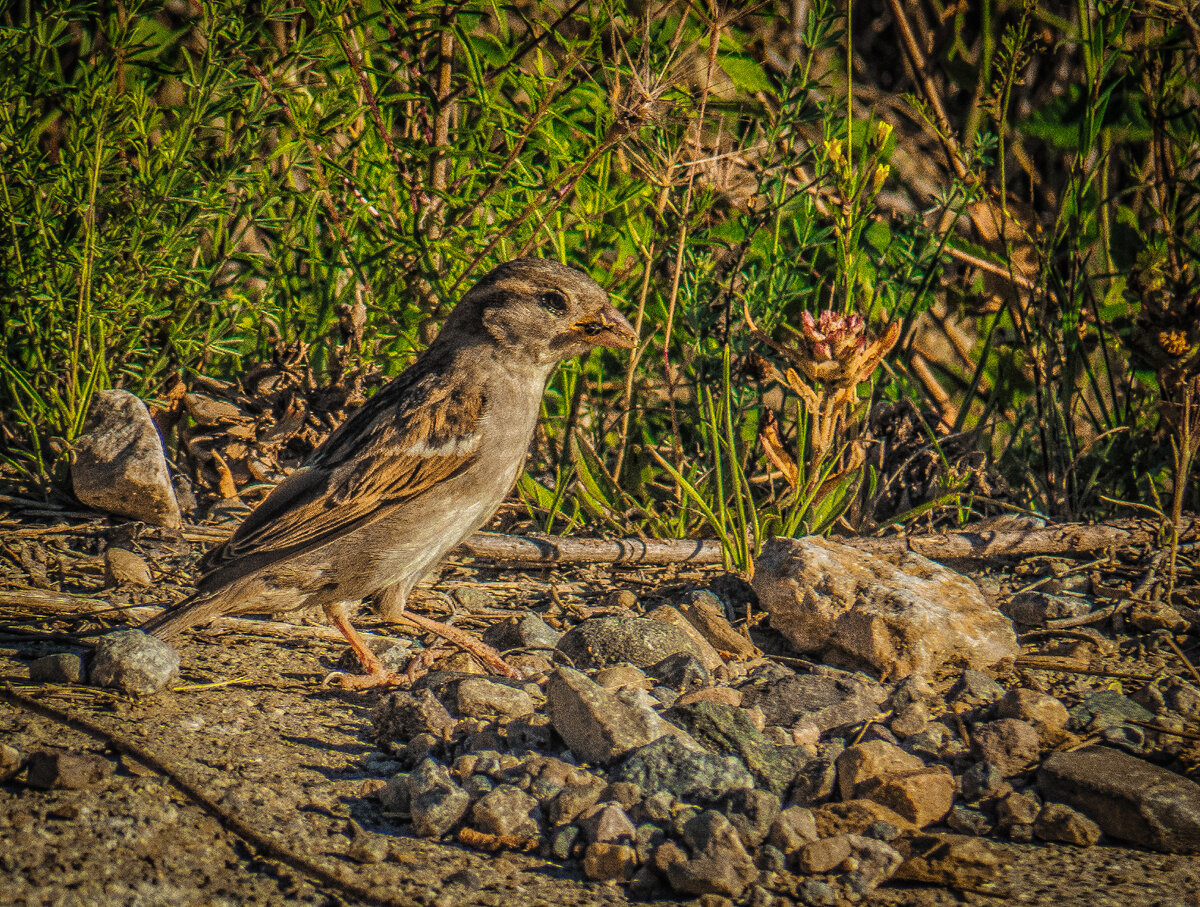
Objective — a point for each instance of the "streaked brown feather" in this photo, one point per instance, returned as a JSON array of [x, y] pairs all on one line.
[[383, 456]]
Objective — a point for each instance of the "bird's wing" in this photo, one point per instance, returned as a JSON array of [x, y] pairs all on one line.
[[416, 432]]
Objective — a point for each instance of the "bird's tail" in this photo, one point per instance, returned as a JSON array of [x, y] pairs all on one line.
[[194, 611]]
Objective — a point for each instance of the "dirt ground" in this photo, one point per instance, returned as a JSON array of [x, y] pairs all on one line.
[[250, 728]]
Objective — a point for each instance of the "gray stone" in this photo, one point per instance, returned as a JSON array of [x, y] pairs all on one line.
[[507, 811], [527, 631], [815, 781], [479, 697], [1106, 709], [602, 641], [56, 769], [719, 863], [968, 821], [119, 465], [1129, 799], [723, 728], [974, 688], [877, 862], [1033, 609], [394, 798], [606, 823], [681, 672], [1058, 822], [597, 725], [61, 667], [623, 793], [817, 893], [912, 616], [133, 662], [825, 701], [981, 780], [435, 801], [1044, 712], [792, 829], [125, 568], [10, 761], [562, 842], [403, 715], [693, 776], [1009, 744], [573, 800], [824, 855], [1017, 808], [751, 812]]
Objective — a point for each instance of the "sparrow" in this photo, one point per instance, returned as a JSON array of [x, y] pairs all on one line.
[[423, 464]]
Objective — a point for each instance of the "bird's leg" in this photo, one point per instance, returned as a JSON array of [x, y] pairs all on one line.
[[390, 604], [376, 675]]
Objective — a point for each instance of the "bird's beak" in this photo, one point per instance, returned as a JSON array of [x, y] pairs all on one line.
[[608, 327]]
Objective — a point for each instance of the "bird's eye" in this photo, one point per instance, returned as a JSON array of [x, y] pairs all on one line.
[[553, 302]]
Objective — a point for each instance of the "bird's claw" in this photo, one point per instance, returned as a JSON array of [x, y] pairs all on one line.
[[359, 682]]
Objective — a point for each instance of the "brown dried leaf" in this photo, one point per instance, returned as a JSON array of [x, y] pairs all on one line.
[[773, 447]]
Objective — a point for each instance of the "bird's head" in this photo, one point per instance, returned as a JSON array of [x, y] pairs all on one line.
[[539, 311]]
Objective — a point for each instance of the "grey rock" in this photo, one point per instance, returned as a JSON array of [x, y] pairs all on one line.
[[597, 725], [726, 729], [1009, 744], [10, 761], [532, 733], [815, 781], [816, 893], [562, 842], [55, 769], [719, 863], [825, 701], [897, 618], [125, 568], [509, 812], [981, 780], [909, 720], [479, 697], [968, 821], [681, 672], [974, 688], [61, 667], [394, 798], [656, 808], [403, 715], [1105, 709], [478, 786], [394, 654], [694, 776], [824, 855], [623, 793], [1017, 808], [751, 812], [877, 862], [133, 662], [602, 641], [792, 829], [606, 823], [1129, 799], [1058, 822], [646, 837], [119, 465], [474, 598], [1033, 609], [435, 801], [527, 631]]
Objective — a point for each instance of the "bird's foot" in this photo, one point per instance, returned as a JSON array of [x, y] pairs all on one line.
[[360, 682]]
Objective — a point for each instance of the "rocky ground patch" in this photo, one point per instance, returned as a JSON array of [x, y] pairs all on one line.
[[653, 751]]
